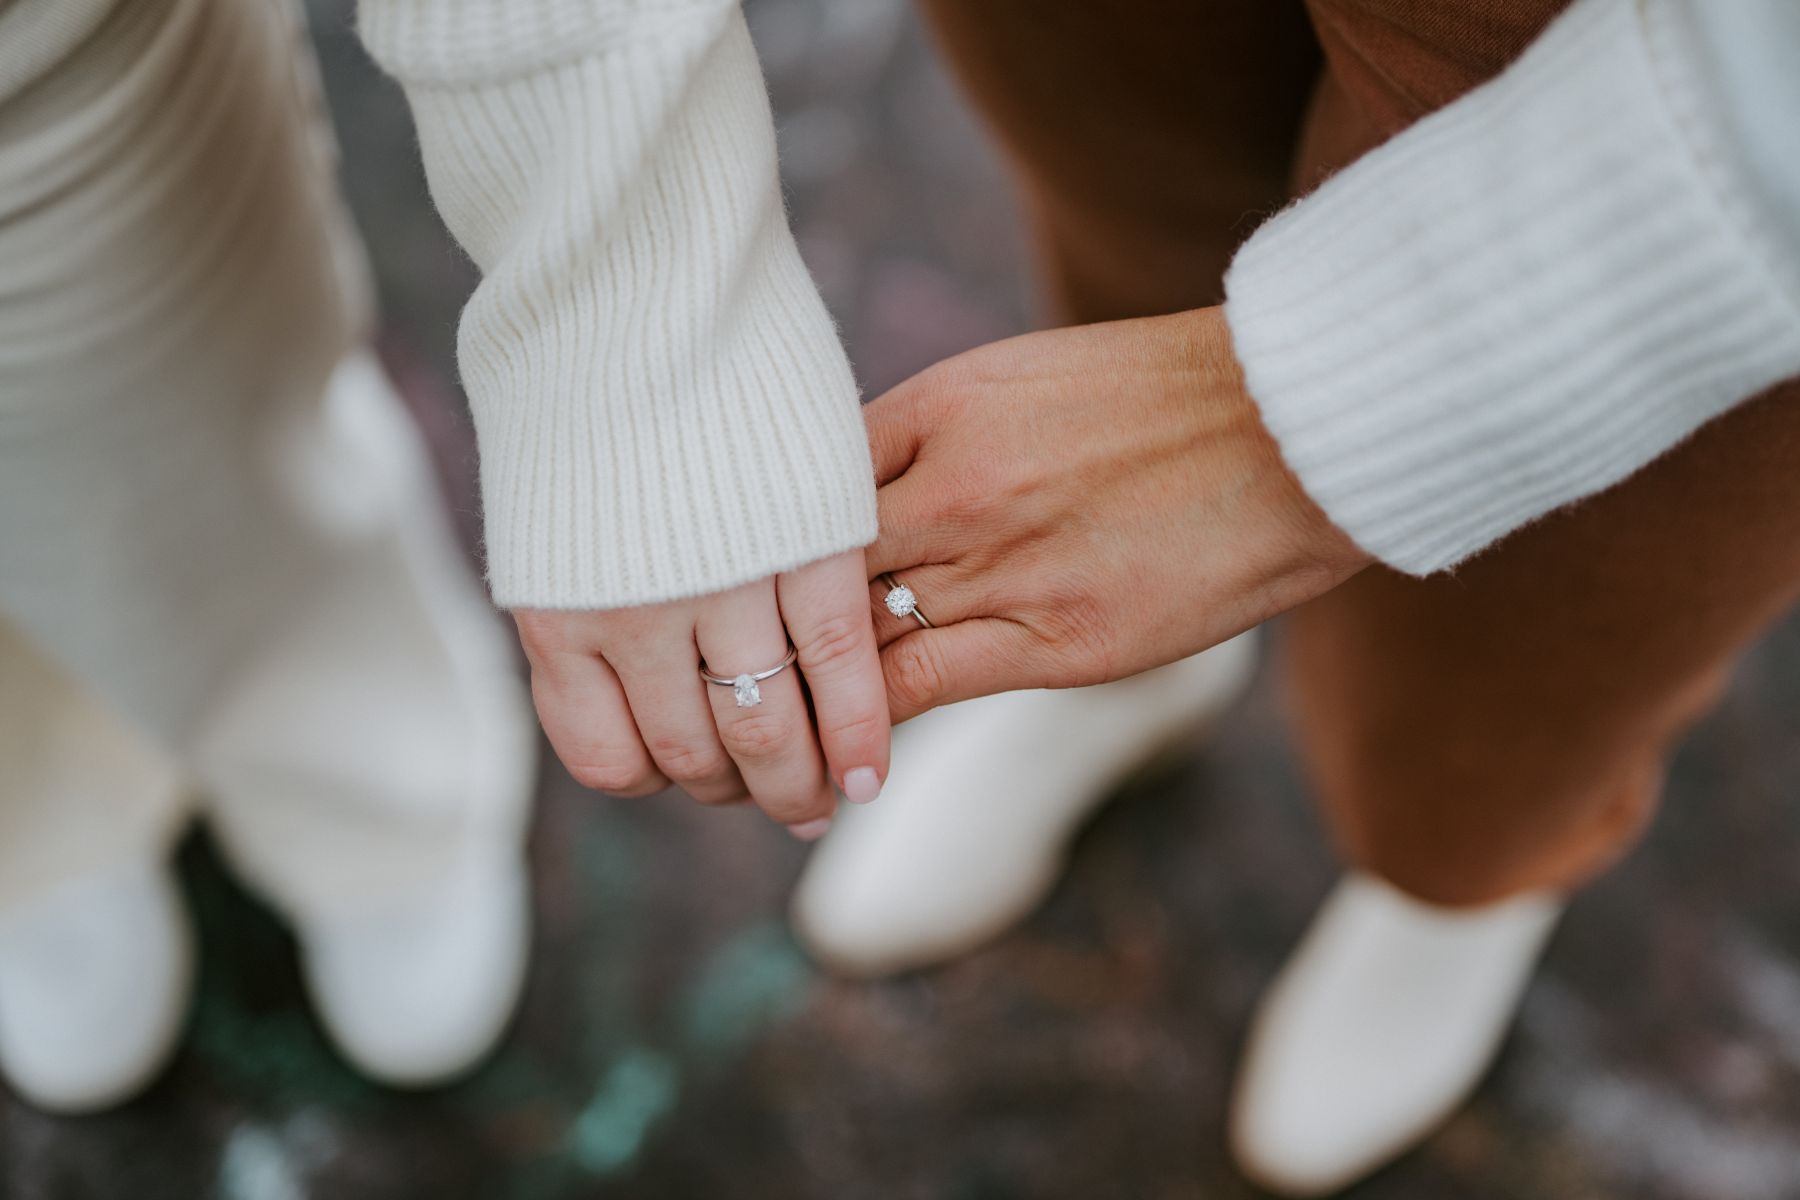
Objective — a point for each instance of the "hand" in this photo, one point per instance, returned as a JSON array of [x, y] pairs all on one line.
[[620, 695], [1079, 505]]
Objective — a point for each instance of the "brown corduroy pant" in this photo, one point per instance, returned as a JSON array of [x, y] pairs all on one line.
[[1471, 735]]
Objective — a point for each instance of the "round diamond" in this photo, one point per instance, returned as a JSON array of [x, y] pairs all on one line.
[[901, 601]]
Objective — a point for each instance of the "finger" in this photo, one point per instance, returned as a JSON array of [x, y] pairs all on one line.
[[912, 528], [772, 741], [941, 591], [660, 671], [823, 607], [585, 716], [930, 667], [895, 431]]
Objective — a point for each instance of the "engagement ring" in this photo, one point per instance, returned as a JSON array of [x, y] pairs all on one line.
[[901, 601], [743, 687]]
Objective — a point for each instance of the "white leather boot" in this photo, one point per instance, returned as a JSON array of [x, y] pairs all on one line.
[[1382, 1022], [416, 989], [982, 800], [371, 769], [95, 976], [96, 954]]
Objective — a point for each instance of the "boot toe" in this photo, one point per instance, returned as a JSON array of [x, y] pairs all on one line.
[[1381, 1024], [866, 910], [419, 992], [95, 980], [974, 824]]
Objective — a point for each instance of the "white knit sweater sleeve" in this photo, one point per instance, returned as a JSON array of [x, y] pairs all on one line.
[[1530, 294], [662, 404]]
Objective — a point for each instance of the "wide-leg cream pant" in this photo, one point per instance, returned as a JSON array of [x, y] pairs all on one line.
[[212, 563]]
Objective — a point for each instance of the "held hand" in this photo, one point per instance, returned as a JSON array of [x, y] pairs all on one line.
[[620, 694], [1079, 505]]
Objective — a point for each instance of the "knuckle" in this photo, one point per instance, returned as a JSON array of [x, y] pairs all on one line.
[[1075, 626], [614, 777], [789, 806], [967, 491], [540, 630], [836, 639], [687, 764], [757, 737], [854, 731], [915, 676]]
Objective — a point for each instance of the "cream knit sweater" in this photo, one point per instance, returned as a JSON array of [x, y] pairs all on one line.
[[1532, 293], [662, 404], [1514, 304]]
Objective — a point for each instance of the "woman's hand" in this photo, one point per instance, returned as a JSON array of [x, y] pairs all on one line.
[[620, 695], [1079, 505]]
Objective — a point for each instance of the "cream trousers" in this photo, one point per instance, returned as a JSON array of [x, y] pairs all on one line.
[[222, 569]]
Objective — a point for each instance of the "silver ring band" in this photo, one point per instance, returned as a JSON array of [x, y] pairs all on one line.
[[743, 687], [901, 601]]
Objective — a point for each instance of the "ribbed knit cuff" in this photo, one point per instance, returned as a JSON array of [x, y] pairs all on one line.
[[1517, 302], [661, 401]]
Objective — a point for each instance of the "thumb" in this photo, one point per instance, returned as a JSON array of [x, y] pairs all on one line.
[[948, 663]]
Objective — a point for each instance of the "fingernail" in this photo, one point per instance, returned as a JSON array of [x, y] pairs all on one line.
[[861, 785], [810, 831]]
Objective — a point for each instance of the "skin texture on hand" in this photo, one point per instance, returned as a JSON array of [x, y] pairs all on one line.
[[620, 696], [1079, 505]]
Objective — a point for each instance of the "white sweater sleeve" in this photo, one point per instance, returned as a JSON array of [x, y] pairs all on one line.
[[662, 404], [1533, 292]]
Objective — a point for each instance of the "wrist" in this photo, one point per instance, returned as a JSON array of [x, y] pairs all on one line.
[[1303, 537]]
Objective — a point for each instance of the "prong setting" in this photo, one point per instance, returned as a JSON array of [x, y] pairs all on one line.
[[901, 601]]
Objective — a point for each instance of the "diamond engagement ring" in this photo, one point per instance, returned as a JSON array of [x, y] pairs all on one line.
[[743, 687], [901, 601]]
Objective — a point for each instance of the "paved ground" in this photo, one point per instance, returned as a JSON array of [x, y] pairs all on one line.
[[674, 1042]]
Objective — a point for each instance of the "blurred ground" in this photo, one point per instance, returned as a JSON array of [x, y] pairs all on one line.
[[675, 1044]]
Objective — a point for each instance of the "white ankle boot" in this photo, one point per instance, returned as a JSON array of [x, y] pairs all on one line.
[[419, 989], [95, 977], [96, 953], [982, 800], [371, 770], [1382, 1022]]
